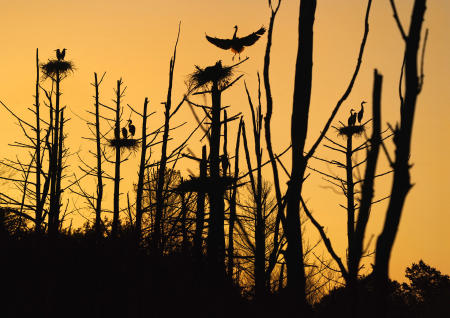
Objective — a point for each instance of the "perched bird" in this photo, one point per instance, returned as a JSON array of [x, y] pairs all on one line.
[[124, 133], [352, 119], [225, 164], [237, 44], [131, 127], [361, 112], [60, 54]]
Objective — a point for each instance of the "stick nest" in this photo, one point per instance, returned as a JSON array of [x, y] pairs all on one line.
[[206, 185], [130, 144], [54, 67], [217, 73], [351, 130]]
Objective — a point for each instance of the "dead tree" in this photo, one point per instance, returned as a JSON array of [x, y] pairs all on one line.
[[164, 157], [232, 205], [356, 222], [36, 200], [280, 219], [300, 113], [56, 70], [402, 141], [94, 201], [299, 124], [98, 206], [216, 79], [142, 165], [256, 186], [39, 212], [117, 148]]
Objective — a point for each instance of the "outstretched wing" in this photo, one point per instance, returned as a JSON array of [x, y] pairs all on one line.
[[222, 43], [252, 38]]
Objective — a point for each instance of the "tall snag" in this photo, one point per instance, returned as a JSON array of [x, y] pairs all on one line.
[[299, 124], [56, 70], [402, 140], [117, 148], [157, 239], [141, 174], [216, 79]]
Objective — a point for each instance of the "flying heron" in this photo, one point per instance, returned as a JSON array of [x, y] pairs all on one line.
[[237, 44]]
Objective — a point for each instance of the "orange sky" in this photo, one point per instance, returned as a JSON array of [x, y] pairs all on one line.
[[134, 40]]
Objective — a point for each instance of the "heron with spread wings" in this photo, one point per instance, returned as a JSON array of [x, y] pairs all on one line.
[[237, 44]]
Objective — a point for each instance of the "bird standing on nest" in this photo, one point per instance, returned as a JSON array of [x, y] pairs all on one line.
[[225, 164], [361, 112], [131, 127], [352, 119], [60, 54], [237, 44], [124, 133]]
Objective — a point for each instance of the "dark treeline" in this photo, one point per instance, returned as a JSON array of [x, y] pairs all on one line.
[[228, 239]]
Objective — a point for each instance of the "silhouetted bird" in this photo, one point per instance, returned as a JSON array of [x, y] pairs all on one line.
[[237, 44], [124, 133], [361, 112], [131, 127], [225, 164], [60, 54], [352, 119]]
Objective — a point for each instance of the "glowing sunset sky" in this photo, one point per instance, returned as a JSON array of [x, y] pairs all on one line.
[[134, 40]]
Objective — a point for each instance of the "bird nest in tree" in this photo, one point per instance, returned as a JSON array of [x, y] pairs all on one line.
[[351, 130], [211, 74], [206, 185], [55, 67], [130, 144]]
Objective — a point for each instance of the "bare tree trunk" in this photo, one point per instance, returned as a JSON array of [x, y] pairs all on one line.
[[140, 185], [281, 277], [39, 220], [299, 124], [161, 178], [216, 240], [350, 200], [98, 207], [402, 139], [357, 241], [232, 203], [184, 208], [157, 239], [267, 119], [116, 220], [200, 215], [54, 204], [260, 238], [59, 168]]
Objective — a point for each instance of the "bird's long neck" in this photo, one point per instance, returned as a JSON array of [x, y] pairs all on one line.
[[362, 105], [235, 32]]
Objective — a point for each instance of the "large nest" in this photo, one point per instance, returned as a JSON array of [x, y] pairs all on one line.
[[54, 67], [351, 130], [211, 74], [206, 185], [130, 144]]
